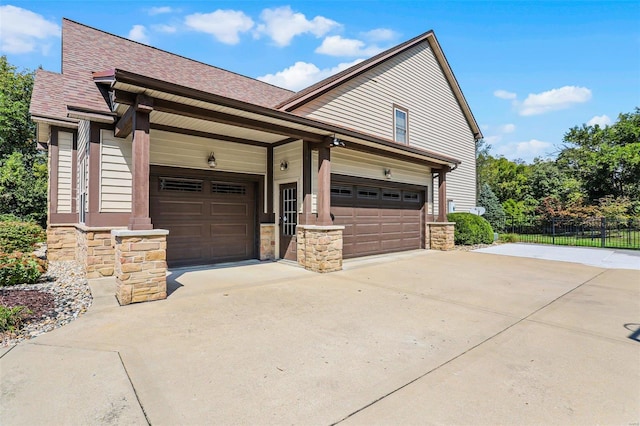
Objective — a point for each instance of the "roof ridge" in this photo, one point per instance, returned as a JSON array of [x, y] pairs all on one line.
[[172, 54]]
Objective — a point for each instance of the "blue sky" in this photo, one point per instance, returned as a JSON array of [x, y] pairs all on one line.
[[530, 70]]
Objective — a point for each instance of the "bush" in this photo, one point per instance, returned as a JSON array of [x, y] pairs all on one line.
[[471, 229], [20, 236], [509, 238], [11, 318], [494, 213], [19, 268]]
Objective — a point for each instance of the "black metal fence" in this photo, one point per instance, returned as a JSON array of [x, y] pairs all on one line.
[[591, 232]]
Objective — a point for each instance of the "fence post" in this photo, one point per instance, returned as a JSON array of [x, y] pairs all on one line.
[[553, 232], [603, 232]]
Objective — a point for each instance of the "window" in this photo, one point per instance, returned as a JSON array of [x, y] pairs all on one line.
[[341, 191], [411, 197], [390, 195], [368, 193], [400, 119], [179, 184], [228, 188]]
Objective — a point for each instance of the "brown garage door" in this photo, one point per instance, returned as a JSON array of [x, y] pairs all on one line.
[[210, 220], [377, 219]]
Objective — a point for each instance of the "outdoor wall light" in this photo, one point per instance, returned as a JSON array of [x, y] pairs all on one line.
[[335, 142], [284, 165], [387, 173], [211, 161]]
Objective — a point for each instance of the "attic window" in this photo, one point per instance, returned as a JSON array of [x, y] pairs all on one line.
[[400, 124]]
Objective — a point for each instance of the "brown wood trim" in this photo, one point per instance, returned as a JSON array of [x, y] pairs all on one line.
[[55, 218], [140, 152], [307, 217], [54, 157], [107, 219], [324, 186], [207, 135], [124, 126], [284, 142], [442, 195], [270, 209], [74, 172]]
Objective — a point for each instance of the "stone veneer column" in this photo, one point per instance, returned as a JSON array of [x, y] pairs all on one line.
[[267, 241], [440, 235], [96, 251], [140, 265], [320, 247], [61, 242]]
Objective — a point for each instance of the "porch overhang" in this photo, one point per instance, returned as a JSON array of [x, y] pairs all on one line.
[[181, 108]]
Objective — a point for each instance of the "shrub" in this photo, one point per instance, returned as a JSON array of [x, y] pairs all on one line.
[[19, 268], [509, 238], [471, 229], [11, 318], [20, 236]]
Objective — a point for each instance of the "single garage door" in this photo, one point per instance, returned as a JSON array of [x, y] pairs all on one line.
[[210, 220], [377, 219]]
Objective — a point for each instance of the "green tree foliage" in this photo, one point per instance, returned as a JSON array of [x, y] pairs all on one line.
[[494, 213], [23, 189], [606, 160], [17, 131], [23, 171]]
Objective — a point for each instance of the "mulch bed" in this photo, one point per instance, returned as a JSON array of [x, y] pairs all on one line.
[[39, 303]]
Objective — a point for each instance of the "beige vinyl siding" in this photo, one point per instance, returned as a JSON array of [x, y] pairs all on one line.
[[292, 154], [177, 150], [115, 173], [65, 163], [412, 80]]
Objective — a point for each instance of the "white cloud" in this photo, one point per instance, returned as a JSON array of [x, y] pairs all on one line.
[[553, 100], [24, 31], [380, 34], [224, 25], [139, 33], [600, 120], [503, 94], [338, 46], [160, 10], [526, 151], [303, 74], [493, 138], [508, 128], [282, 25], [164, 28]]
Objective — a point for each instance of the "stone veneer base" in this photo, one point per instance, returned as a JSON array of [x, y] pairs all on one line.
[[61, 242], [440, 235], [319, 248], [140, 265], [267, 241]]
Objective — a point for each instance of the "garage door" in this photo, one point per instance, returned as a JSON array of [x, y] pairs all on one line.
[[377, 219], [210, 220]]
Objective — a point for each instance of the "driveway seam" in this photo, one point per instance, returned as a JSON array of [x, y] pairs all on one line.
[[8, 350], [135, 392], [466, 351], [580, 331]]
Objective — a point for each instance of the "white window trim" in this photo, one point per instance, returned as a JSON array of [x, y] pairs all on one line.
[[406, 122]]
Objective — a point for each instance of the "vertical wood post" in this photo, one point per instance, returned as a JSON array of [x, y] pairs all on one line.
[[140, 219], [324, 186], [442, 194]]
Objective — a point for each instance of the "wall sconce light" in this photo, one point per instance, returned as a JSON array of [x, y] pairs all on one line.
[[211, 161], [284, 165], [335, 142], [387, 173]]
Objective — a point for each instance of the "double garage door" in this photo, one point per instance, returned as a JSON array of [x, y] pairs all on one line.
[[210, 219], [377, 219]]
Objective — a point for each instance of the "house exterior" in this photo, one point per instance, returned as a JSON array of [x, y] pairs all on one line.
[[156, 159]]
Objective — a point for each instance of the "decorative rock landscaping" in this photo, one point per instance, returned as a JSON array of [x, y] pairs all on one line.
[[59, 297]]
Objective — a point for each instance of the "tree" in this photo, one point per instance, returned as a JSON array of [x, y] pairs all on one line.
[[23, 190], [17, 131], [606, 160], [494, 213]]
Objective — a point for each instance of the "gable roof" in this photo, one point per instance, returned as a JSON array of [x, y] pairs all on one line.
[[318, 89], [47, 99]]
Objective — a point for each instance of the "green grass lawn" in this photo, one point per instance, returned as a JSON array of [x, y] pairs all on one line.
[[615, 239]]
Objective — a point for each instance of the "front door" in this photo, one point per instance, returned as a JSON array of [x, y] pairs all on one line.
[[288, 220]]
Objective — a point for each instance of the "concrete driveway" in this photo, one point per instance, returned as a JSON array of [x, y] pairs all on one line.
[[418, 338]]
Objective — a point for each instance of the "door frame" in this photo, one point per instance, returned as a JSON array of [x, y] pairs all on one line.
[[276, 206]]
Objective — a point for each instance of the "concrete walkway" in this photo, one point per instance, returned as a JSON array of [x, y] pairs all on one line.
[[599, 257], [418, 338]]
